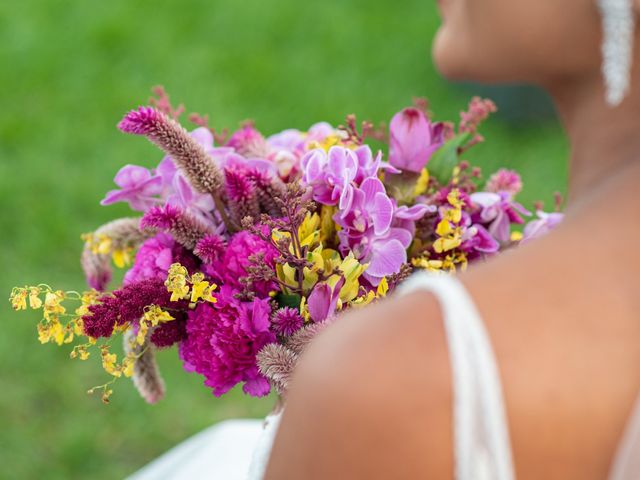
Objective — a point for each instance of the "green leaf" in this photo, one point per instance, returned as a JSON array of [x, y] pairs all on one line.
[[288, 300], [446, 158]]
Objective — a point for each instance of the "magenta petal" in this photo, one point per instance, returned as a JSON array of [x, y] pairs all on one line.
[[319, 302], [415, 212], [404, 236], [131, 175], [371, 187], [203, 136], [387, 257], [258, 387], [382, 213]]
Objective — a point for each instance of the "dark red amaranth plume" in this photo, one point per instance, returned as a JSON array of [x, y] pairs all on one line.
[[126, 305], [168, 334]]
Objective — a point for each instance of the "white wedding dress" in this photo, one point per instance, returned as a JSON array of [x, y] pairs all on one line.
[[239, 449]]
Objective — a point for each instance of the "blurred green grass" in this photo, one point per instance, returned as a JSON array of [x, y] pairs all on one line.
[[70, 69]]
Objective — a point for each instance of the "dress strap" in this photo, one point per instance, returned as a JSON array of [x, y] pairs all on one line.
[[482, 448], [626, 464]]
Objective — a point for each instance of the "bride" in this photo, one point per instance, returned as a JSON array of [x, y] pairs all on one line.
[[526, 365]]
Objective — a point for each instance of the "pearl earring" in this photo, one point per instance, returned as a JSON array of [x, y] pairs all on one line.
[[618, 21]]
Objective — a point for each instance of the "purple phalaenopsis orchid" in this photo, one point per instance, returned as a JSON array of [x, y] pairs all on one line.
[[138, 187], [543, 225], [413, 140], [498, 211], [368, 229], [330, 174], [144, 189]]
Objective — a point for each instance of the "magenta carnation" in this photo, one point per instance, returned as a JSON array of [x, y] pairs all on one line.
[[231, 266], [154, 258], [223, 340]]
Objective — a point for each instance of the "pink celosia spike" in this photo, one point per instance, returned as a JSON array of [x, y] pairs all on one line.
[[199, 168], [146, 374], [143, 121], [184, 228]]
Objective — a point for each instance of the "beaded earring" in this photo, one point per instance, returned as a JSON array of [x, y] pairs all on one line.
[[618, 20]]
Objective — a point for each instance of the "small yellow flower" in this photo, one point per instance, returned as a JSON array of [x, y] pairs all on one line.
[[156, 315], [109, 362], [18, 298], [122, 257], [454, 199], [202, 289], [44, 333], [176, 282], [34, 298], [106, 394], [127, 366], [516, 236], [99, 244], [422, 184], [52, 304]]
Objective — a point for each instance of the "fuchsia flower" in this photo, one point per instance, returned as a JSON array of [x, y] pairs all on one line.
[[323, 301], [413, 140], [230, 266], [155, 256], [498, 211], [223, 340]]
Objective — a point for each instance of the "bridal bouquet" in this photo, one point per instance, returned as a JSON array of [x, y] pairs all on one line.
[[248, 245]]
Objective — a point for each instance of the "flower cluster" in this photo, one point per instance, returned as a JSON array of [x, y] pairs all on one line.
[[248, 245]]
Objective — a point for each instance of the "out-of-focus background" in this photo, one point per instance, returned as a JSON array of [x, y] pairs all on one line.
[[69, 70]]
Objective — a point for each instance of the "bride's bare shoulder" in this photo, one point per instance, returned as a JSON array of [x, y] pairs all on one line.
[[365, 395]]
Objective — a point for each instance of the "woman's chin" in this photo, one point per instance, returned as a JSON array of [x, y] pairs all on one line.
[[446, 57]]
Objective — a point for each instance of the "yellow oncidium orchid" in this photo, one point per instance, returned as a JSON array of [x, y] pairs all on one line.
[[351, 270], [422, 184], [176, 282], [327, 143], [366, 299], [454, 198], [202, 289], [52, 305], [450, 263], [122, 257], [516, 236], [18, 298], [100, 244]]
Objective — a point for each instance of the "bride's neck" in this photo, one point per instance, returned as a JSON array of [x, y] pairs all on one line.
[[604, 140]]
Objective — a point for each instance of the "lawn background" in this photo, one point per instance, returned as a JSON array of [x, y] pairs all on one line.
[[68, 72]]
